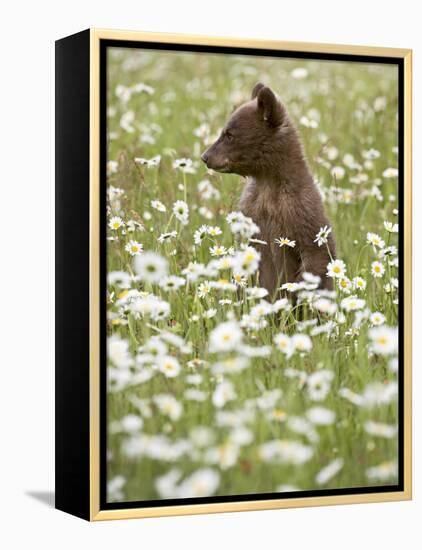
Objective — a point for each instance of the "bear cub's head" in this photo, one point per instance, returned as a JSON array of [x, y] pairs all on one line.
[[251, 137]]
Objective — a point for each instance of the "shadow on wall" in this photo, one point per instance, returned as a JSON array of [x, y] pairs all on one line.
[[46, 497]]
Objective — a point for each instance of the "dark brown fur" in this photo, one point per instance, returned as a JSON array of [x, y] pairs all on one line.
[[261, 143]]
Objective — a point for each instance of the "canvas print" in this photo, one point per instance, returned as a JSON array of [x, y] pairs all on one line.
[[252, 253]]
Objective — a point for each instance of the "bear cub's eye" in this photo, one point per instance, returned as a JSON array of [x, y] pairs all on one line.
[[229, 136]]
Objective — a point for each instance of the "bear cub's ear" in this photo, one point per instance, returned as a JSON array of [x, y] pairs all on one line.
[[256, 89], [269, 106]]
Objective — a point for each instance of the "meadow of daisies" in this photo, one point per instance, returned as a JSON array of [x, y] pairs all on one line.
[[213, 388]]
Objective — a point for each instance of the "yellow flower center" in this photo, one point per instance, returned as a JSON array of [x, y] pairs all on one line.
[[279, 414]]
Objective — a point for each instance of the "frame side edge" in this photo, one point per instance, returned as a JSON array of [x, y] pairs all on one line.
[[408, 272], [94, 267], [72, 335]]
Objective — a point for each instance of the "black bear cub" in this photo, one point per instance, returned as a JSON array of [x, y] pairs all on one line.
[[261, 143]]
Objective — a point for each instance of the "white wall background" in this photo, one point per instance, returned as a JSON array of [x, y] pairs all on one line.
[[26, 289]]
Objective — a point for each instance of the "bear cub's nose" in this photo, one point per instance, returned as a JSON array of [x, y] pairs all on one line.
[[204, 157]]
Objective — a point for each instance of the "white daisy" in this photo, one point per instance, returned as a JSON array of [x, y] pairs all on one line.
[[115, 223], [204, 289], [168, 405], [225, 262], [246, 262], [150, 267], [338, 172], [371, 154], [202, 483], [322, 235], [345, 285], [311, 278], [254, 293], [382, 472], [134, 248], [380, 103], [193, 271], [240, 280], [318, 384], [329, 471], [207, 190], [261, 309], [285, 451], [290, 287], [122, 279], [166, 485], [223, 393], [172, 282], [375, 240], [218, 250], [112, 167], [384, 340], [376, 319], [206, 212], [225, 337], [210, 313], [167, 236], [321, 416], [377, 269], [169, 366], [284, 344], [149, 163], [158, 205], [301, 342], [184, 165], [299, 73], [390, 173], [391, 227], [379, 429], [118, 352], [324, 305], [379, 393], [284, 241], [181, 211], [200, 233], [133, 225], [358, 283], [214, 231], [336, 269], [115, 488], [352, 303]]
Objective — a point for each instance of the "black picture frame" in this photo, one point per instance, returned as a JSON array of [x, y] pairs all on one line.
[[80, 61]]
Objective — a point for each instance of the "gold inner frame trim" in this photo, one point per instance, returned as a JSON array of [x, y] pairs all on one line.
[[96, 514]]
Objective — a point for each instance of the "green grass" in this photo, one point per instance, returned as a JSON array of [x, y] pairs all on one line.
[[190, 90]]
